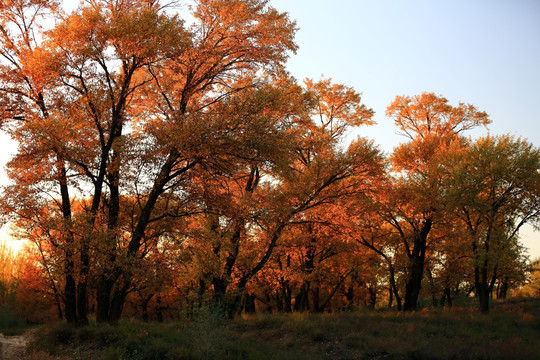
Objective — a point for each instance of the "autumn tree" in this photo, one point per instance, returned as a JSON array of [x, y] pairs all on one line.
[[123, 103], [493, 189], [431, 125], [302, 168], [25, 91]]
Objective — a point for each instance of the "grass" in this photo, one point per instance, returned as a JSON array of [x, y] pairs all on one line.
[[510, 331], [10, 322]]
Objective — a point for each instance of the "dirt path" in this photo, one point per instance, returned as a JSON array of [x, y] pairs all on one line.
[[12, 347]]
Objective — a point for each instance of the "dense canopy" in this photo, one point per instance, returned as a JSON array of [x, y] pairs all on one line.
[[167, 161]]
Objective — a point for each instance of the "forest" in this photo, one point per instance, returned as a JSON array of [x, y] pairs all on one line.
[[167, 162]]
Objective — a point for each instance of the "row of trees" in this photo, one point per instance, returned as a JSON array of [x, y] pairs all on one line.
[[162, 157]]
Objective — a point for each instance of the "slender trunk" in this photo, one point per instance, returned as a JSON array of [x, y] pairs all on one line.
[[372, 296], [103, 299], [316, 299], [144, 306], [393, 285], [82, 306], [200, 293], [480, 285], [70, 291], [119, 292], [432, 288], [301, 302], [279, 302], [220, 295], [349, 295], [446, 296], [159, 309], [286, 296], [390, 297]]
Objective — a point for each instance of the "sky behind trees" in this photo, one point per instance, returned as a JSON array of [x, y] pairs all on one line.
[[486, 53]]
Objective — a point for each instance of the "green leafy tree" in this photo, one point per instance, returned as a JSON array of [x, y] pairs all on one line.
[[493, 189]]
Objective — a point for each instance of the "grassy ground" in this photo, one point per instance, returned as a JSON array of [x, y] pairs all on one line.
[[10, 323], [510, 331]]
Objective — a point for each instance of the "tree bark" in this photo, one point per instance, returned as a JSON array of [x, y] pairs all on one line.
[[416, 267]]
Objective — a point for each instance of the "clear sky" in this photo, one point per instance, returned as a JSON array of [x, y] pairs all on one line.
[[483, 52]]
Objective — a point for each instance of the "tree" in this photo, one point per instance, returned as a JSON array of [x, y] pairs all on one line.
[[432, 125], [290, 173], [493, 188], [24, 91], [87, 130]]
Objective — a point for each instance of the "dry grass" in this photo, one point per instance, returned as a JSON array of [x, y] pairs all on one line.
[[510, 331]]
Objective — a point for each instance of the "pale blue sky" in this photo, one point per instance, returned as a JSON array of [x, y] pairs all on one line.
[[483, 52]]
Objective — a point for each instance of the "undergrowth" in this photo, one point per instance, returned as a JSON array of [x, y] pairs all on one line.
[[510, 331]]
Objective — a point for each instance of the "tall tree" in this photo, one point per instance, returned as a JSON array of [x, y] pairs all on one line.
[[432, 125], [27, 94], [283, 181], [130, 97], [493, 188]]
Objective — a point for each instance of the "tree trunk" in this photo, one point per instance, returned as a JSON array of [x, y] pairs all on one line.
[[70, 294], [372, 296], [414, 284], [349, 295], [416, 267], [70, 286], [117, 304], [82, 292], [301, 302], [390, 296], [286, 296], [446, 297], [482, 288], [220, 294], [103, 299], [393, 285], [144, 306]]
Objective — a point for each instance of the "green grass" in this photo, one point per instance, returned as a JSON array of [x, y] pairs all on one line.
[[10, 322], [510, 331]]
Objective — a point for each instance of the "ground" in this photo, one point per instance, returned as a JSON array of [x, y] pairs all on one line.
[[12, 347]]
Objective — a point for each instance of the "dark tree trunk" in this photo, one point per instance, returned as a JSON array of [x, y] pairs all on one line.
[[144, 306], [248, 303], [70, 294], [159, 309], [103, 299], [82, 291], [316, 300], [393, 285], [414, 284], [301, 302], [482, 288], [432, 288], [446, 297], [390, 296], [416, 267], [220, 295], [286, 296], [372, 296], [70, 286], [503, 291], [349, 295], [481, 281]]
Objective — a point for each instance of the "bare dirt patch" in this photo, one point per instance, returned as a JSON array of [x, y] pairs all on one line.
[[12, 347]]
